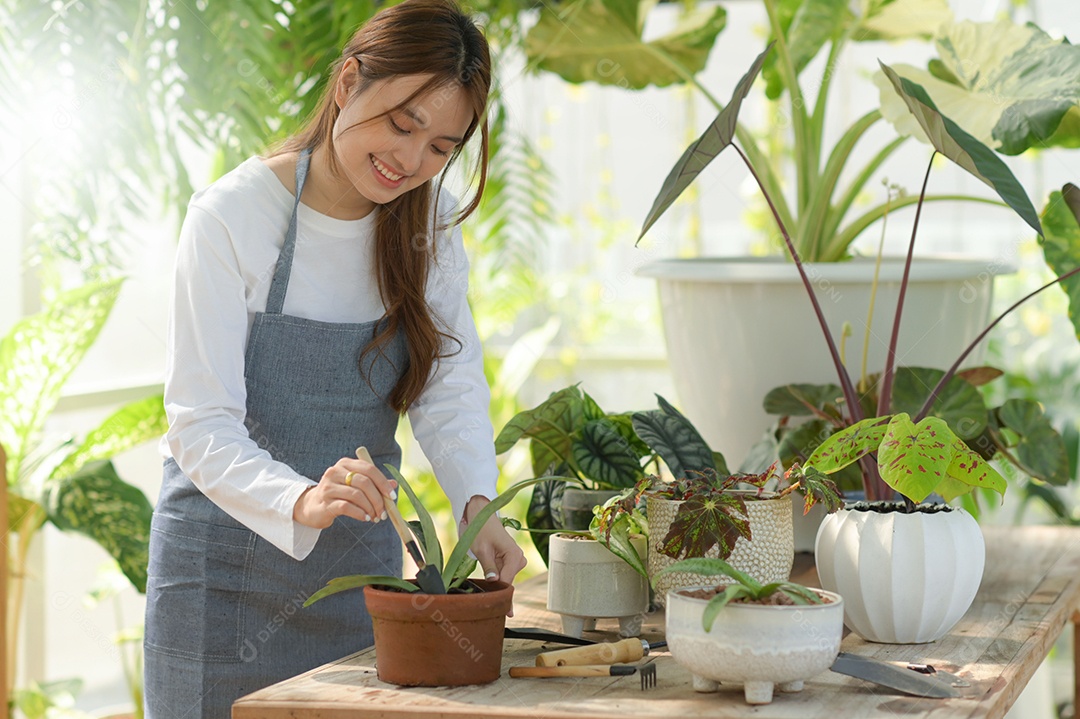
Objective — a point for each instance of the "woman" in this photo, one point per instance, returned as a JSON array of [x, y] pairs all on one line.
[[301, 331]]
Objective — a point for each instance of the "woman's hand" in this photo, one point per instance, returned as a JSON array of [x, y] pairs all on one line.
[[496, 551], [351, 488]]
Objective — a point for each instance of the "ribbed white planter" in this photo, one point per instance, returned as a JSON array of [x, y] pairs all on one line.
[[767, 557], [758, 646], [586, 582], [905, 578], [738, 327]]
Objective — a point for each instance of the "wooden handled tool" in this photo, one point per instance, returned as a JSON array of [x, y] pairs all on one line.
[[602, 670], [620, 652], [427, 577]]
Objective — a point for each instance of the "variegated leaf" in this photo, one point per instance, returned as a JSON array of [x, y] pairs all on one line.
[[915, 458], [848, 445], [714, 519], [968, 470]]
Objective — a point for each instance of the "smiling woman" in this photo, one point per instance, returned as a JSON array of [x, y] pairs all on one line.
[[320, 293]]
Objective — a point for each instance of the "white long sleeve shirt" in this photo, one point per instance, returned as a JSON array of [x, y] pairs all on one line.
[[229, 244]]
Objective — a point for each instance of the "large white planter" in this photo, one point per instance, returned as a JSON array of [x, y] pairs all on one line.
[[736, 328], [767, 557], [759, 646], [587, 582], [905, 578]]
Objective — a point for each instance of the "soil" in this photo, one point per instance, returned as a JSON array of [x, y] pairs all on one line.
[[580, 537], [779, 599], [885, 507]]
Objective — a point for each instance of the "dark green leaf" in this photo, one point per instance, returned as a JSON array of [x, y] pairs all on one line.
[[1041, 450], [1061, 244], [713, 519], [557, 410], [798, 443], [95, 502], [953, 142], [702, 151], [605, 456], [541, 514], [959, 403], [675, 440], [433, 553], [798, 400]]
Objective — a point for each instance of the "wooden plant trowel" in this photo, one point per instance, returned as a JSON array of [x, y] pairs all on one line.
[[427, 576]]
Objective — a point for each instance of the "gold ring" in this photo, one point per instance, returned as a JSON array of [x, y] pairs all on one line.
[[348, 478]]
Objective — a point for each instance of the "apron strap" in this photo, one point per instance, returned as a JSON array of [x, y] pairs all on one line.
[[280, 284]]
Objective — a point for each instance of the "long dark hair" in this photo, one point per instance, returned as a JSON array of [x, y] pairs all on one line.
[[416, 37]]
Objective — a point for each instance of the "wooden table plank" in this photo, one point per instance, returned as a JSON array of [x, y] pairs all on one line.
[[1030, 590]]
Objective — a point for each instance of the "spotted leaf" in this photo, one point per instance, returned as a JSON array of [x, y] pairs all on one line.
[[914, 458], [712, 519], [967, 471], [848, 445]]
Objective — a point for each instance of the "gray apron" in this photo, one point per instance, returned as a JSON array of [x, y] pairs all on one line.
[[223, 605]]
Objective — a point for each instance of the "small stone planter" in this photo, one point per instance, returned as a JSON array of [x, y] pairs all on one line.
[[434, 640], [587, 582], [759, 646], [768, 558]]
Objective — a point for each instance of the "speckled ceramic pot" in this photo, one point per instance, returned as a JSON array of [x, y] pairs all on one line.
[[761, 647], [586, 582], [767, 558]]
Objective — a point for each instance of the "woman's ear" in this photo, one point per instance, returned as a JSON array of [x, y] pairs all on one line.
[[347, 82]]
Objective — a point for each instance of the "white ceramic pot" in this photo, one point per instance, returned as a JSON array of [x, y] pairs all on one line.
[[905, 578], [711, 305], [587, 582], [759, 646], [767, 557]]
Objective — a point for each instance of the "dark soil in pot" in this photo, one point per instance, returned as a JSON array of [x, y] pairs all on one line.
[[776, 600], [885, 507], [434, 640]]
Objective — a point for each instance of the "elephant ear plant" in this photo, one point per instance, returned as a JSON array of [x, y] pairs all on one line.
[[916, 455]]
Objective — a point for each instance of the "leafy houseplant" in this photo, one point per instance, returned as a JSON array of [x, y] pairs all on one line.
[[412, 639], [745, 631]]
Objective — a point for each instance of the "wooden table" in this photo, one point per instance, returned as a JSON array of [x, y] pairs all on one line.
[[1030, 590]]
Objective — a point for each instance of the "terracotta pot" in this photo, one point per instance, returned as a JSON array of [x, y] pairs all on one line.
[[434, 640], [905, 578], [767, 558]]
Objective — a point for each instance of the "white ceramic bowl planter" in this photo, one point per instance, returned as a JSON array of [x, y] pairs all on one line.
[[905, 578], [767, 558], [758, 645], [587, 582]]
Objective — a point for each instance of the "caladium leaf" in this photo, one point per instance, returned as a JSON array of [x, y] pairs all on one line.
[[968, 471], [961, 147], [1061, 243], [798, 400], [602, 41], [959, 403], [605, 456], [849, 445], [704, 521], [1011, 86], [915, 458], [1040, 449], [701, 152]]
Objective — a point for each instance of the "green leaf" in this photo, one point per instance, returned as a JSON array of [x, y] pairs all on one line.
[[848, 445], [549, 426], [615, 534], [900, 19], [962, 148], [959, 403], [1041, 450], [915, 458], [36, 358], [718, 602], [1011, 86], [967, 471], [701, 152], [713, 567], [140, 421], [541, 514], [675, 440], [707, 520], [798, 443], [800, 400], [813, 24], [817, 488], [430, 539], [464, 570], [95, 502], [355, 581], [1061, 244], [601, 41], [461, 549], [605, 456]]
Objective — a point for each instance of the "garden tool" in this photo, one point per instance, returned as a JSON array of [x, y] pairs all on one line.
[[647, 671], [622, 651], [920, 680], [427, 576]]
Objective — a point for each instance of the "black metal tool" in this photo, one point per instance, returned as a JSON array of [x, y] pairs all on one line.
[[919, 680]]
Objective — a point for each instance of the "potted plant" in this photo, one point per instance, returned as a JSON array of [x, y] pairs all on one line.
[[913, 456], [1011, 82], [451, 639], [570, 436], [777, 634]]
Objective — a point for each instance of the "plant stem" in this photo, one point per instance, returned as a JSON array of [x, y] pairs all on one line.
[[854, 408], [956, 365], [873, 290], [885, 394]]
